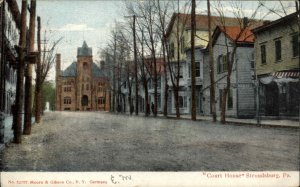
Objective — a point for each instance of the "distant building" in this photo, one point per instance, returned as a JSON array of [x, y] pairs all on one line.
[[179, 28], [83, 85], [9, 37], [277, 66]]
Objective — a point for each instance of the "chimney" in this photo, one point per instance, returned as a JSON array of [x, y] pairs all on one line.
[[57, 68], [245, 22]]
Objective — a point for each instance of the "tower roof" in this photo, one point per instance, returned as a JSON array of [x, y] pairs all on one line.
[[71, 71], [84, 50]]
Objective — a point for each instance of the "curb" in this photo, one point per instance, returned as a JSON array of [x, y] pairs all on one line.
[[227, 122], [241, 123]]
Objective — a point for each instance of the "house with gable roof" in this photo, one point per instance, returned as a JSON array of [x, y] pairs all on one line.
[[241, 95], [181, 23]]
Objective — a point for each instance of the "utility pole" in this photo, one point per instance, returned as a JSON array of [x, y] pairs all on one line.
[[211, 67], [193, 65], [28, 81], [38, 86], [20, 87], [298, 22]]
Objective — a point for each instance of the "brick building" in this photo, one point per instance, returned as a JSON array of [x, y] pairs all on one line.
[[83, 85]]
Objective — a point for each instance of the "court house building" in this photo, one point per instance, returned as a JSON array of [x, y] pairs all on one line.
[[82, 86]]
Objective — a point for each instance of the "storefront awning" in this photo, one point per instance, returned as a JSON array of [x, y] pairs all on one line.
[[281, 77], [286, 74]]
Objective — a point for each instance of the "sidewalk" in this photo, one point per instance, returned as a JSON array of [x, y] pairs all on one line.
[[293, 123], [8, 132], [263, 122]]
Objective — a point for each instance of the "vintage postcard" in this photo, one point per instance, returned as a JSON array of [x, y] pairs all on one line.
[[149, 93]]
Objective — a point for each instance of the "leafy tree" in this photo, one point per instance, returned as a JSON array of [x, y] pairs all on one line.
[[48, 93]]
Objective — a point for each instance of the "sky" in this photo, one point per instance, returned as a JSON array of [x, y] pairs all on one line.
[[92, 21]]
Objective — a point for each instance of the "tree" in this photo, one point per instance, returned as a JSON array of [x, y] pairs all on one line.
[[175, 66], [48, 92], [162, 9], [116, 55], [45, 62], [146, 10]]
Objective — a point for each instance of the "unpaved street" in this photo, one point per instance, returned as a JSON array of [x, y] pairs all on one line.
[[82, 141]]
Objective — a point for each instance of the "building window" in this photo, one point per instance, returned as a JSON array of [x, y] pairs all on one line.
[[197, 69], [252, 60], [180, 71], [278, 50], [101, 100], [158, 101], [67, 89], [182, 43], [222, 63], [220, 98], [87, 87], [100, 89], [229, 99], [182, 101], [150, 83], [67, 100], [172, 52], [263, 54], [295, 45], [158, 82]]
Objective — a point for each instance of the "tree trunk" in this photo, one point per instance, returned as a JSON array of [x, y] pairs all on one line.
[[223, 104], [28, 81], [230, 60], [114, 91], [165, 77], [124, 103], [135, 70], [177, 76], [20, 87], [130, 103], [176, 97], [155, 87], [193, 65], [147, 112]]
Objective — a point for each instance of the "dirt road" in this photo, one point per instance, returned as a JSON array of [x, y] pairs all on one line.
[[81, 141]]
